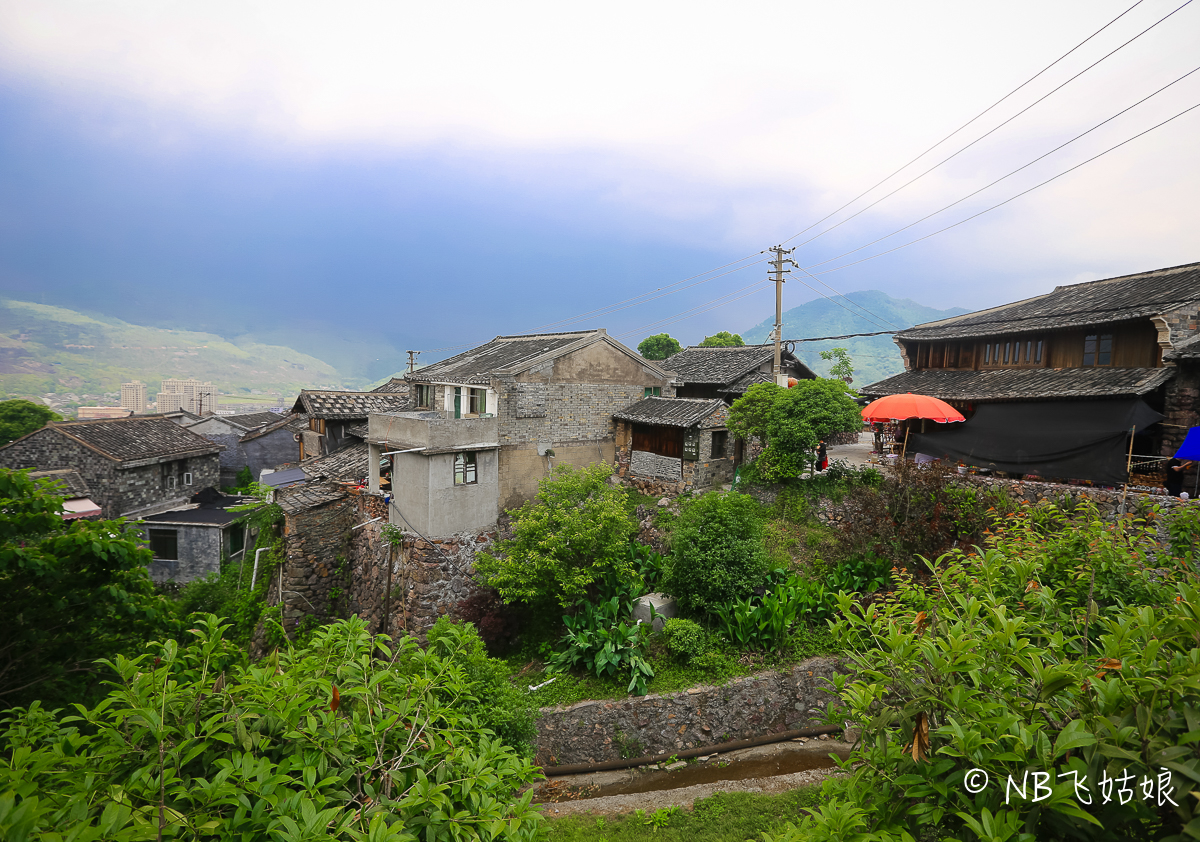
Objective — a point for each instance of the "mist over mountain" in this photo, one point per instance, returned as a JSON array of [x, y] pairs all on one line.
[[874, 357]]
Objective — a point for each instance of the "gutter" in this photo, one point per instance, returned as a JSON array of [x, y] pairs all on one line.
[[766, 739]]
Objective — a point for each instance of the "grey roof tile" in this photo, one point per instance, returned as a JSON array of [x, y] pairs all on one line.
[[671, 412], [250, 420], [1077, 305], [137, 437], [346, 464], [1023, 383], [338, 405], [501, 355], [302, 497], [396, 384], [724, 366], [70, 484]]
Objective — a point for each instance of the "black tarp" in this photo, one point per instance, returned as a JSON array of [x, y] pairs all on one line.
[[1061, 439]]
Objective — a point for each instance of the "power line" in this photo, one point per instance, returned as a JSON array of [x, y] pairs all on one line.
[[964, 125], [1013, 198], [993, 130], [1012, 173]]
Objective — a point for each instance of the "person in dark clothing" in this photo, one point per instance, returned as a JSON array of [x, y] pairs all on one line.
[[822, 457], [1174, 483]]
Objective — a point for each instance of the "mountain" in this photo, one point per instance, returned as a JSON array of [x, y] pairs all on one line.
[[68, 357], [874, 357]]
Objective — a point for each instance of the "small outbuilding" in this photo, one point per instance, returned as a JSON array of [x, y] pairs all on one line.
[[672, 445]]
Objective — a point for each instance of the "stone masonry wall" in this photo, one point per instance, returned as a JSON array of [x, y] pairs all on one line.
[[596, 731], [654, 466], [316, 542], [569, 411]]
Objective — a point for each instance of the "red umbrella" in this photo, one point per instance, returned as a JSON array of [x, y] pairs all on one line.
[[908, 405]]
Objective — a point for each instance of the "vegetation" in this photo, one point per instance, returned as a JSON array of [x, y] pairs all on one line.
[[1062, 657], [841, 367], [572, 534], [793, 422], [353, 737], [723, 339], [658, 347], [70, 592], [717, 553], [20, 418], [723, 817]]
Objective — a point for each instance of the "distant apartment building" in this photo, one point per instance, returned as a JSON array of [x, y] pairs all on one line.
[[88, 413], [133, 397], [189, 395]]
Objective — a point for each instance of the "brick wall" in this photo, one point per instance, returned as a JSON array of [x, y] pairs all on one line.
[[569, 412]]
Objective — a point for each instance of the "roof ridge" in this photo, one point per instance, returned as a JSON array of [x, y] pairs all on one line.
[[1150, 273], [546, 335]]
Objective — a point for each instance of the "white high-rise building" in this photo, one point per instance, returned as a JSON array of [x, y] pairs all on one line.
[[195, 397], [133, 397]]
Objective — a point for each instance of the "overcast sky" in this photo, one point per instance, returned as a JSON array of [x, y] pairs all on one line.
[[423, 175]]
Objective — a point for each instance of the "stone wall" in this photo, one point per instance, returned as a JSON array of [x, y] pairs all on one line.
[[596, 731], [200, 547], [654, 466]]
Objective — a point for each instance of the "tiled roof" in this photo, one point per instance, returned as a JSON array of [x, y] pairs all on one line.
[[280, 422], [1188, 349], [723, 366], [70, 484], [348, 404], [670, 412], [347, 464], [1077, 305], [250, 420], [507, 355], [302, 497], [215, 517], [137, 437], [752, 378], [358, 430], [396, 384], [1023, 383]]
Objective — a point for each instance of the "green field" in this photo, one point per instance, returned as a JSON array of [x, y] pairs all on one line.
[[53, 350]]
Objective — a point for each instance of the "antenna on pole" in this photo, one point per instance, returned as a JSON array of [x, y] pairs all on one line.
[[778, 271], [412, 360]]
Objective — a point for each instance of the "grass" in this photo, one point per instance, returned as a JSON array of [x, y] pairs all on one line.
[[669, 675], [723, 817]]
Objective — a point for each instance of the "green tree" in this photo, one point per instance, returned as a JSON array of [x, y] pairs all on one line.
[[724, 339], [792, 422], [842, 368], [70, 593], [571, 535], [717, 552], [658, 347], [20, 418], [351, 738]]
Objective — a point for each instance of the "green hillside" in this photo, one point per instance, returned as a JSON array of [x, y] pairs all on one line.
[[52, 350], [875, 357]]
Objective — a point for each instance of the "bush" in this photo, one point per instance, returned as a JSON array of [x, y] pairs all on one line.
[[499, 705], [564, 541], [499, 624], [686, 640], [347, 739], [717, 552], [600, 641]]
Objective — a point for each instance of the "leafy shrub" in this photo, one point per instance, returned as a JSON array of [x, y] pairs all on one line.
[[717, 552], [348, 739], [686, 639], [568, 537], [498, 704], [765, 622], [600, 641], [498, 622], [860, 574]]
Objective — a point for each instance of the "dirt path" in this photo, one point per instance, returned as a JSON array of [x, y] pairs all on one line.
[[770, 769]]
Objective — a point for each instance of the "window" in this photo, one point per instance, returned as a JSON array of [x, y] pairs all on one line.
[[1097, 349], [464, 468], [719, 437], [1007, 348], [187, 479], [1028, 349], [424, 396], [237, 540], [987, 354], [691, 444], [476, 401], [952, 355], [1038, 354], [164, 543], [652, 392]]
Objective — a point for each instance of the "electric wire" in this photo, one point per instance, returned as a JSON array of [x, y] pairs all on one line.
[[1009, 174], [992, 130], [1013, 198], [901, 169]]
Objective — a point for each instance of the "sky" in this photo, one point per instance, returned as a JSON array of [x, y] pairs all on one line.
[[363, 178]]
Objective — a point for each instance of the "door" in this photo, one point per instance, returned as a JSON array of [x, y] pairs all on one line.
[[458, 401]]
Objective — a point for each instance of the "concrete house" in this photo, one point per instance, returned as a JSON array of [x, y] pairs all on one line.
[[672, 445], [727, 373], [1105, 357], [232, 433], [534, 401], [132, 466], [331, 415], [189, 542]]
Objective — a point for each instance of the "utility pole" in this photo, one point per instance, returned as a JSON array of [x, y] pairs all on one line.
[[412, 360], [778, 271]]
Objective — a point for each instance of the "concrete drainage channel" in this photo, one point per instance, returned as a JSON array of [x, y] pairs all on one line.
[[772, 768]]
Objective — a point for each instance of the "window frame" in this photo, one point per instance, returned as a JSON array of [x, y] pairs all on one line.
[[154, 537], [424, 397], [1098, 351], [652, 392], [468, 459]]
